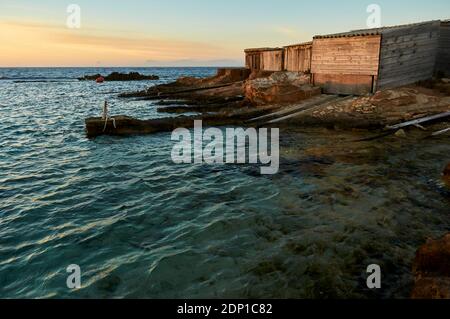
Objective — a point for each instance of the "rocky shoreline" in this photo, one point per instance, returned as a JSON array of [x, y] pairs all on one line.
[[233, 89], [240, 97]]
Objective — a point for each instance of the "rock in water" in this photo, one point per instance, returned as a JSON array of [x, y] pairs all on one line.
[[132, 76], [280, 87], [432, 270], [446, 176], [116, 76]]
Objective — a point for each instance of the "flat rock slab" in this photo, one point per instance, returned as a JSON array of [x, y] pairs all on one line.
[[122, 125]]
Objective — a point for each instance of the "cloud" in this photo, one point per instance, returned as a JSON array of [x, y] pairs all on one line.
[[286, 31], [196, 63], [163, 47], [40, 44], [291, 33]]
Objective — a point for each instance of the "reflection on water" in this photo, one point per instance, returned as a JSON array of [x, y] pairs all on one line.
[[140, 226]]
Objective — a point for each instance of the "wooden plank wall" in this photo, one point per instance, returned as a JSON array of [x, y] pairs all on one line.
[[408, 55], [346, 65], [273, 60], [346, 55], [443, 59], [298, 58], [253, 60], [265, 59]]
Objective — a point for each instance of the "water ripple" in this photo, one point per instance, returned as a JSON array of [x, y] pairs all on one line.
[[140, 226]]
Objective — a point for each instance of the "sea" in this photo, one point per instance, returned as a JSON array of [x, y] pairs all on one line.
[[139, 226]]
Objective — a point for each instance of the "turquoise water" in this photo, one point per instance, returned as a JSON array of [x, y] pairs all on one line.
[[141, 227]]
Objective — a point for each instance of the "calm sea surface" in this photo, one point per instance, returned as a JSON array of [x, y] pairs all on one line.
[[140, 226]]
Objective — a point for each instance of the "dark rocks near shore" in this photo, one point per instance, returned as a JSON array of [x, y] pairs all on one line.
[[125, 126], [432, 270], [116, 76]]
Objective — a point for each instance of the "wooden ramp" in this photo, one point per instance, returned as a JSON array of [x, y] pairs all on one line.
[[294, 110]]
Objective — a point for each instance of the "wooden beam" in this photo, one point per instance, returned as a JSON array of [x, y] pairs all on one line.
[[420, 121]]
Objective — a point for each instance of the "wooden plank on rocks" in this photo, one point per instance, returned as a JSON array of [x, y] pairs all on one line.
[[420, 121]]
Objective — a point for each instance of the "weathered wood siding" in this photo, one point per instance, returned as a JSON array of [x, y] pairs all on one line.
[[408, 54], [443, 59], [265, 59], [273, 60], [297, 58], [253, 60], [345, 83], [346, 65]]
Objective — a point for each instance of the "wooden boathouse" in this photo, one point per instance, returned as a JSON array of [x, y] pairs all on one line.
[[265, 59], [297, 57], [364, 61], [443, 60]]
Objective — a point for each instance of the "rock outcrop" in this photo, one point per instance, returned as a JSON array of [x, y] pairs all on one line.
[[116, 76], [234, 74], [223, 76], [432, 270], [227, 83], [280, 88], [257, 74]]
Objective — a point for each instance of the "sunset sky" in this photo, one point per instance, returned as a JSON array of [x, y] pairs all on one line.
[[180, 32]]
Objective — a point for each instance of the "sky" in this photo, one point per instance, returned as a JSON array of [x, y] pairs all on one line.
[[181, 32]]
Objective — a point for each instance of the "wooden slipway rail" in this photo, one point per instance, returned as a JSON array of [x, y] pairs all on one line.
[[297, 109], [390, 130], [420, 121]]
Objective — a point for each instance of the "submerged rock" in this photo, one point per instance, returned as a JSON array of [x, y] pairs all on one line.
[[116, 76], [432, 288], [446, 175], [432, 270], [400, 133], [280, 87]]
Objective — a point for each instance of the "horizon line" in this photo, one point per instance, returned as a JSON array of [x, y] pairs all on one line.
[[123, 66]]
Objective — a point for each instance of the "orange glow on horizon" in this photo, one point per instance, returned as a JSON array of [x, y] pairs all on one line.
[[36, 44]]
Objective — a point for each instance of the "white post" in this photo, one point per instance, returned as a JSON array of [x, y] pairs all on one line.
[[105, 111]]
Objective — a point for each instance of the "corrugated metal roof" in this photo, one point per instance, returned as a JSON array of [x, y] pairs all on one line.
[[371, 32], [262, 50], [304, 44]]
